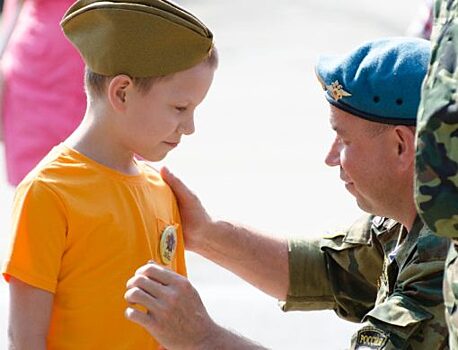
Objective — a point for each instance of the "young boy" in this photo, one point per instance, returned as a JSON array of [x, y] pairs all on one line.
[[90, 213]]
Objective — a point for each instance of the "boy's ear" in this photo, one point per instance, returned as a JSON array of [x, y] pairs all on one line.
[[117, 91]]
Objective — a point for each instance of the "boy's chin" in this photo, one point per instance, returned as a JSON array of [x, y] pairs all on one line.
[[151, 157]]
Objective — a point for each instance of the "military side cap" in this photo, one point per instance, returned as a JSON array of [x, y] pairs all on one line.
[[140, 38], [379, 81]]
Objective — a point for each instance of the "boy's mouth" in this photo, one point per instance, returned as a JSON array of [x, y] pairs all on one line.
[[172, 144]]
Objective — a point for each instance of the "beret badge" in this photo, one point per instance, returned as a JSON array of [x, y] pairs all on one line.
[[336, 91]]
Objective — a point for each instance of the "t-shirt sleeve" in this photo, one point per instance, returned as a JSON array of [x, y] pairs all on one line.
[[38, 236]]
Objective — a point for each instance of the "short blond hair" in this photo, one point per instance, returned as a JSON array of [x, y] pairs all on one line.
[[95, 84]]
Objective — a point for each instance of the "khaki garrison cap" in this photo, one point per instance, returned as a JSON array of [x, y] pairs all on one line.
[[140, 38]]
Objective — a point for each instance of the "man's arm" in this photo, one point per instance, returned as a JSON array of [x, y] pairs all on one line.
[[175, 314], [29, 316], [339, 272], [259, 259]]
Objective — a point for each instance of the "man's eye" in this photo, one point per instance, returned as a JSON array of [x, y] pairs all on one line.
[[180, 109], [343, 141]]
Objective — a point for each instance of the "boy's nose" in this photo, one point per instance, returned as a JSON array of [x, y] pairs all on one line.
[[187, 127]]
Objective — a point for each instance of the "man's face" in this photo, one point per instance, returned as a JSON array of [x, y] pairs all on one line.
[[365, 158], [156, 120]]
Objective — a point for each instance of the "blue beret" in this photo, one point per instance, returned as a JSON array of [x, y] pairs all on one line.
[[379, 81]]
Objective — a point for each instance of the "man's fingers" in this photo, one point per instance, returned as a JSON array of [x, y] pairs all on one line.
[[158, 273], [182, 192], [141, 318], [139, 296], [153, 288]]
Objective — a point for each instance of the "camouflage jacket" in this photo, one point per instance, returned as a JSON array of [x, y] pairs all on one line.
[[451, 295], [437, 128], [378, 274]]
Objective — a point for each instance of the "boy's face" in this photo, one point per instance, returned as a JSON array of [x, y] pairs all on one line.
[[155, 121]]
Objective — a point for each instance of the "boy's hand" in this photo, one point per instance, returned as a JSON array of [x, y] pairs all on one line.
[[195, 220], [175, 314]]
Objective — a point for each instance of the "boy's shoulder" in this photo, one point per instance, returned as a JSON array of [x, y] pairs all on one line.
[[61, 165], [154, 178], [55, 163], [151, 173], [148, 168]]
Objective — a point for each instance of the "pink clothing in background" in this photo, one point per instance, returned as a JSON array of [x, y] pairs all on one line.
[[44, 98]]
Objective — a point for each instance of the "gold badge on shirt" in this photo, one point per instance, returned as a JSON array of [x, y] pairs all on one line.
[[168, 244]]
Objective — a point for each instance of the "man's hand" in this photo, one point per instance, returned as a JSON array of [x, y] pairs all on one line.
[[175, 315], [195, 220]]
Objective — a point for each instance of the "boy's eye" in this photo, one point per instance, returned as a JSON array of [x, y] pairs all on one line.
[[180, 109]]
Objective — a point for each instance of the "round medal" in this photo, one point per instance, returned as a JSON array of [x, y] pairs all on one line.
[[168, 244]]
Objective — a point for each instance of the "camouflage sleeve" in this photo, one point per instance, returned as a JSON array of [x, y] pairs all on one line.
[[400, 304], [339, 272], [436, 176]]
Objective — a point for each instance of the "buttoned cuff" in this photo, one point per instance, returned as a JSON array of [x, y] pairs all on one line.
[[309, 287]]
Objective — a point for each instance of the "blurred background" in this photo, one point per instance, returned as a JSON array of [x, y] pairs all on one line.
[[261, 138]]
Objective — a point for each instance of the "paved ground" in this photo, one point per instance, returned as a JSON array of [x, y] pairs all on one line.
[[257, 154]]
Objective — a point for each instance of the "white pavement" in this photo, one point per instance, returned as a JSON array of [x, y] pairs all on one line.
[[257, 155]]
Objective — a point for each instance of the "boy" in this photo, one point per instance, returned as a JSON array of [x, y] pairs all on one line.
[[90, 213]]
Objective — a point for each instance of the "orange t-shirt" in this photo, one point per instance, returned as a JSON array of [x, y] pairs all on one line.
[[80, 230]]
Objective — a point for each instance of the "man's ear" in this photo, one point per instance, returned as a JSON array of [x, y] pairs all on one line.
[[117, 91], [405, 138]]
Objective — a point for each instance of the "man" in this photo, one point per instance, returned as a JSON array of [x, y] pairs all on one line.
[[436, 181], [385, 271]]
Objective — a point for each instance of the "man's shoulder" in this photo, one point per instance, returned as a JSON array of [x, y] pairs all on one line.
[[431, 247]]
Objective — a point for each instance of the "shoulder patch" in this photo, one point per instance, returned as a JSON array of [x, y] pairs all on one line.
[[370, 338]]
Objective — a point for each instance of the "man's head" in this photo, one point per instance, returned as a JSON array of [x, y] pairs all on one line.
[[374, 93], [149, 64]]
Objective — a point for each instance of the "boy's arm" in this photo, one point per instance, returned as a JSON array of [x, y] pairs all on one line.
[[29, 316]]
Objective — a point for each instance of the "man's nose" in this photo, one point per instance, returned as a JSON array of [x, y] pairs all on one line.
[[333, 156]]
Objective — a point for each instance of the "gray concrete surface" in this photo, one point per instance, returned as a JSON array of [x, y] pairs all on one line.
[[257, 155]]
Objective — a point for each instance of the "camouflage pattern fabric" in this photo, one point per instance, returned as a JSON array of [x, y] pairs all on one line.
[[436, 176], [437, 128], [451, 295], [378, 274]]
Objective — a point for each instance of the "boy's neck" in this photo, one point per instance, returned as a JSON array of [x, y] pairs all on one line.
[[93, 139]]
